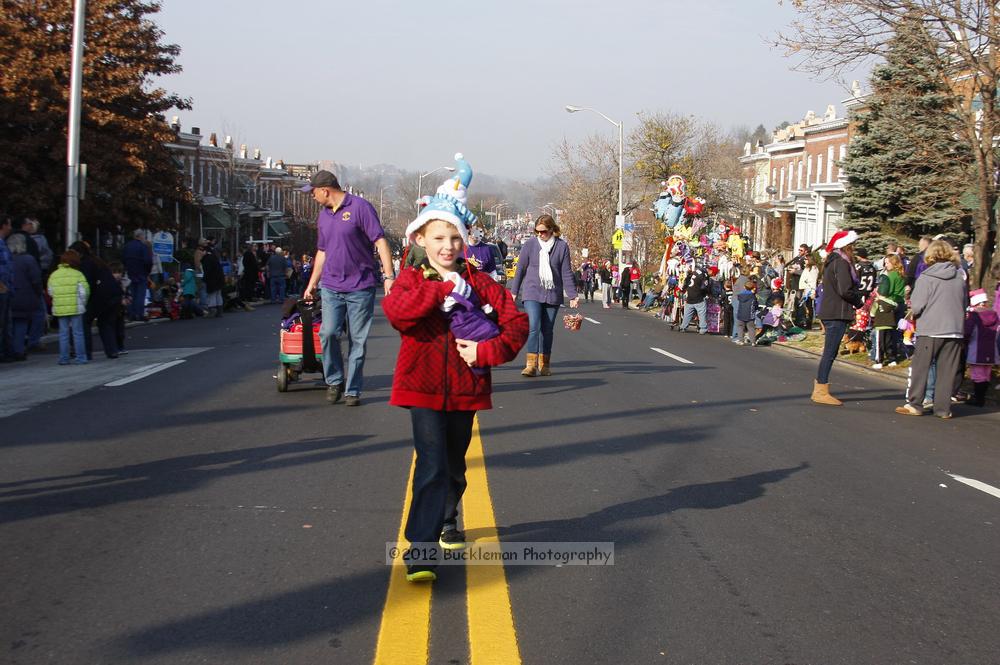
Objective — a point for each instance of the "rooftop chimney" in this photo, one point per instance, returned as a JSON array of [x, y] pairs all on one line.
[[256, 153], [213, 141], [229, 142], [243, 151], [196, 131]]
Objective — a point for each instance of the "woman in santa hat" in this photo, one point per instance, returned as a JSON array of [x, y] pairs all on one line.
[[840, 298]]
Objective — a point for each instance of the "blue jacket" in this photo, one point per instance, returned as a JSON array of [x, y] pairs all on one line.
[[138, 259], [27, 287], [526, 282], [746, 305]]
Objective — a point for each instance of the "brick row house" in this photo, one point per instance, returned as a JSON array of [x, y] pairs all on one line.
[[235, 195], [795, 182]]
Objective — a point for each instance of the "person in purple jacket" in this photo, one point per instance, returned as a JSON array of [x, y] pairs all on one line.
[[543, 271]]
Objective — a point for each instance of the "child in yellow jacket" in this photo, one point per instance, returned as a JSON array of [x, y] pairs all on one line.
[[70, 291]]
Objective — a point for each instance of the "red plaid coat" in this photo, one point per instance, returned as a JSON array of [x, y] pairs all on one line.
[[429, 371]]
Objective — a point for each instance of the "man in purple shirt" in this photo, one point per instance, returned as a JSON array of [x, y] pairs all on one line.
[[345, 273]]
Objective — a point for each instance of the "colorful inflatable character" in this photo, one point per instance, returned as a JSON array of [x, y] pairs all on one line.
[[669, 206]]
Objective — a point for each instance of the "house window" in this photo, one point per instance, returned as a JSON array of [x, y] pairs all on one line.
[[819, 169], [809, 170], [829, 164], [799, 185], [781, 184]]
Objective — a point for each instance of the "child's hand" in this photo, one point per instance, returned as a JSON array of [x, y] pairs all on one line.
[[467, 349]]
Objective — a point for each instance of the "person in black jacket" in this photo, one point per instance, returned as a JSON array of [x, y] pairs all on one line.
[[696, 288], [104, 302], [840, 298], [214, 279], [251, 274]]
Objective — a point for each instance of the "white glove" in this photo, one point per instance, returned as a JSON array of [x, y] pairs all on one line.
[[462, 287]]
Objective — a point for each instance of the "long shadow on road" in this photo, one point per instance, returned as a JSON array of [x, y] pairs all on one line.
[[335, 604]]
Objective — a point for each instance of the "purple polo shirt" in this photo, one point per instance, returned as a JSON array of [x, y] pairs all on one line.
[[348, 235]]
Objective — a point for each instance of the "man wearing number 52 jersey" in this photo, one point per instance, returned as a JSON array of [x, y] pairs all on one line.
[[867, 273]]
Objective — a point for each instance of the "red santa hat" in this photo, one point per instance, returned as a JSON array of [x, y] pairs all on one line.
[[840, 240]]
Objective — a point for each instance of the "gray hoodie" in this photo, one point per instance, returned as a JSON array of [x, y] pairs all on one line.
[[938, 301]]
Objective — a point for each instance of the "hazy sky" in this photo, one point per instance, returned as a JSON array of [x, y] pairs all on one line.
[[411, 83]]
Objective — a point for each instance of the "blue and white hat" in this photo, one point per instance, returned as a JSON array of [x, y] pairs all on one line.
[[448, 203]]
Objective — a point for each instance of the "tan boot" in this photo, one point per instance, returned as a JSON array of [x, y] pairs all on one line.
[[544, 369], [531, 367], [821, 394]]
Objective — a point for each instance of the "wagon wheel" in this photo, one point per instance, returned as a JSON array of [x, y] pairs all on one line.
[[282, 378]]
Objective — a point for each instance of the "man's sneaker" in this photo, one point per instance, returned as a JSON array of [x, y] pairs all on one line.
[[927, 405], [420, 574], [877, 366], [892, 364], [352, 400], [333, 393], [452, 539], [739, 342]]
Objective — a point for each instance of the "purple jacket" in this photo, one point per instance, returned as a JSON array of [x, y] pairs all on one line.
[[526, 282], [981, 333]]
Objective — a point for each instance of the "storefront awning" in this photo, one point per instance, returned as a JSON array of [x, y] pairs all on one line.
[[215, 217], [278, 228]]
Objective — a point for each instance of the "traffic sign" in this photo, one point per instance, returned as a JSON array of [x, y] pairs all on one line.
[[616, 238]]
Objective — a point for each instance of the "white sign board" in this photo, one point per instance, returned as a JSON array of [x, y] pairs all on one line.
[[163, 245]]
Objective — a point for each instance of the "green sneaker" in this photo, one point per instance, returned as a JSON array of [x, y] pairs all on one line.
[[420, 574]]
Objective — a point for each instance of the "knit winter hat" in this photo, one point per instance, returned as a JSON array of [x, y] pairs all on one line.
[[448, 203], [840, 240], [977, 297]]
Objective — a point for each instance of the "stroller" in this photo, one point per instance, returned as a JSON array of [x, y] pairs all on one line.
[[300, 353]]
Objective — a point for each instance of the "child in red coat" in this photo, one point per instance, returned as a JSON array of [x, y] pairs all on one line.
[[434, 377]]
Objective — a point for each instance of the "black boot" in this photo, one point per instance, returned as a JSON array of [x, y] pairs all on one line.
[[979, 393]]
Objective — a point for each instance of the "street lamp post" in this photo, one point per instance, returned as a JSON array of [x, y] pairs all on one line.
[[73, 130], [621, 162], [381, 191], [420, 180]]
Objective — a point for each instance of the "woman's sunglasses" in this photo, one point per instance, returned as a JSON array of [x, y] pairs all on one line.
[[539, 232]]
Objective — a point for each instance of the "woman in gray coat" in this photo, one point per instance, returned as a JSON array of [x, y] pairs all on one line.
[[938, 304], [543, 271]]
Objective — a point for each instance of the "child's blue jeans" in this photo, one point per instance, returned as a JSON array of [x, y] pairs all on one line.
[[71, 325]]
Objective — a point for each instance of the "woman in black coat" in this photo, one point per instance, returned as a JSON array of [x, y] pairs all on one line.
[[840, 298], [27, 298]]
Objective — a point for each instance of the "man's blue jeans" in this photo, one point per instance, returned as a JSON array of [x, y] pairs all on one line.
[[38, 324], [137, 289], [278, 289], [689, 310], [541, 321], [354, 309]]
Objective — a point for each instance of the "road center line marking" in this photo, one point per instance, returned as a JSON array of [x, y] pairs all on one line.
[[492, 636], [670, 355], [142, 375], [592, 320], [981, 486], [404, 635]]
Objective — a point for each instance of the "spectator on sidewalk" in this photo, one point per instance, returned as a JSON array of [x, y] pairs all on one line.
[[836, 310], [981, 341], [938, 306], [27, 294], [137, 257], [250, 276], [6, 290], [70, 292], [276, 267], [344, 276], [214, 279]]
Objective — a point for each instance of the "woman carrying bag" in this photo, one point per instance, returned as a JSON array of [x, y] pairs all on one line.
[[543, 271]]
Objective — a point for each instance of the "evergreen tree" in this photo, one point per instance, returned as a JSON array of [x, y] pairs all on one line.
[[130, 173], [906, 168]]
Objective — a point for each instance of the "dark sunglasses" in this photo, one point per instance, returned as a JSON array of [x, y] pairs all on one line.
[[539, 232]]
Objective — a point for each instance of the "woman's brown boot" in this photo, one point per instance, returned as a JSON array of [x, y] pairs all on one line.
[[531, 367], [821, 394], [544, 369]]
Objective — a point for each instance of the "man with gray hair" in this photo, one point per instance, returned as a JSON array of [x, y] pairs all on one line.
[[137, 257], [39, 321], [45, 255], [969, 256]]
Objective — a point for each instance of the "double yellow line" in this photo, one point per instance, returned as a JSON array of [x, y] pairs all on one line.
[[404, 635]]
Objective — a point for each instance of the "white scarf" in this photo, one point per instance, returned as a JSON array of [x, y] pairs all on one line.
[[544, 269]]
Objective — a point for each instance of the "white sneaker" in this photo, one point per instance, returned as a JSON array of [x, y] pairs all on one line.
[[892, 364], [877, 366], [739, 342]]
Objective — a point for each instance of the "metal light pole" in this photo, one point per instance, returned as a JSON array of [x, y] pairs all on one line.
[[73, 131], [420, 180], [621, 163], [381, 191]]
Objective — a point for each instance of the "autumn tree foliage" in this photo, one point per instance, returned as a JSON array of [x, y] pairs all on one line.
[[833, 36], [131, 176]]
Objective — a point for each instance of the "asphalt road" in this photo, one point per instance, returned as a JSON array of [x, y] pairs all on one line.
[[196, 515]]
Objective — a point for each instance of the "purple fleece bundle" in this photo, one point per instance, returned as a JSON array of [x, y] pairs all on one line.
[[467, 320]]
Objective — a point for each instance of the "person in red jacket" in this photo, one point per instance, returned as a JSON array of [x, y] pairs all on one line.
[[434, 377]]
